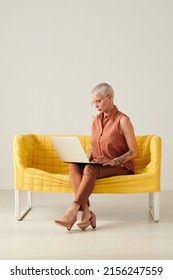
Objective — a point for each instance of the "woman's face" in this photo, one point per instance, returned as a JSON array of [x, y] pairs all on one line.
[[102, 104]]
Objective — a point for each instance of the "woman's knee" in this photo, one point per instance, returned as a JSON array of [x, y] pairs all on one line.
[[90, 171], [71, 166], [74, 168]]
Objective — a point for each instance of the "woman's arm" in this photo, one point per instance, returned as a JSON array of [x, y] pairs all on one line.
[[126, 128]]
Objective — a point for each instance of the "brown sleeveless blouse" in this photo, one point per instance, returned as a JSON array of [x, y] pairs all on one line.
[[106, 138]]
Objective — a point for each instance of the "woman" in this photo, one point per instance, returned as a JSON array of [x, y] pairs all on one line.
[[113, 148]]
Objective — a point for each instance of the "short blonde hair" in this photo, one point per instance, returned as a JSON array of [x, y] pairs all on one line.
[[103, 89]]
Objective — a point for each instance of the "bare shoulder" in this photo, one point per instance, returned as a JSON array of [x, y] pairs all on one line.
[[125, 121]]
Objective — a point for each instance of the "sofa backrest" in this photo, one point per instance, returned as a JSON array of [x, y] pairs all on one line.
[[45, 157]]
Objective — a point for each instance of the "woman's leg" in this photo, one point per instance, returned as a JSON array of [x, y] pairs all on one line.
[[75, 175], [86, 186], [81, 176], [70, 215], [91, 173], [109, 171], [83, 185]]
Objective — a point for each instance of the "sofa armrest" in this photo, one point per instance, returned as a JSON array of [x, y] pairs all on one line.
[[23, 146], [155, 147], [149, 155]]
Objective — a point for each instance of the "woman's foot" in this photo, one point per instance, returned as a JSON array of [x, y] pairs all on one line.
[[88, 219], [69, 217]]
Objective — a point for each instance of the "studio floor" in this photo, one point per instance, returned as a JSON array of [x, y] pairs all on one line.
[[125, 230]]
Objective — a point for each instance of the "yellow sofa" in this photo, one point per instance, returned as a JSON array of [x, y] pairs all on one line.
[[37, 168]]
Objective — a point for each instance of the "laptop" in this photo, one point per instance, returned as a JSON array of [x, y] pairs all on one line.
[[69, 149]]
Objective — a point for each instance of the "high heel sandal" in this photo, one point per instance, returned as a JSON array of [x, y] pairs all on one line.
[[68, 224], [90, 222]]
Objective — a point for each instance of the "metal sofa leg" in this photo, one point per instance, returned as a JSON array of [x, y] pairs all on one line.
[[154, 206], [18, 213]]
